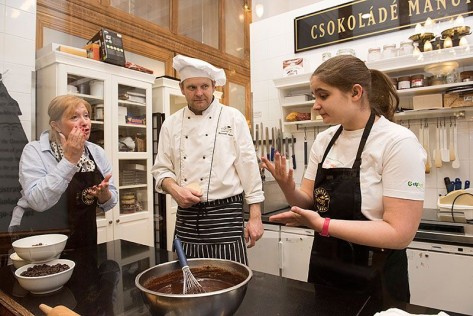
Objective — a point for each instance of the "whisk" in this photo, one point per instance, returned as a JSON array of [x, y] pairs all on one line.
[[190, 284]]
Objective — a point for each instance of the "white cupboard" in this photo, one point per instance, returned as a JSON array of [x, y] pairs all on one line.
[[121, 103], [283, 251], [441, 276]]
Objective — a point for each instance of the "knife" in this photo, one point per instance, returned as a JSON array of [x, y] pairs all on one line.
[[257, 139], [293, 153], [268, 151], [261, 140], [286, 150], [272, 143], [305, 148]]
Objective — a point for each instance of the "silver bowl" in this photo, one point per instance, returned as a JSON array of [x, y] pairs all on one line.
[[221, 302]]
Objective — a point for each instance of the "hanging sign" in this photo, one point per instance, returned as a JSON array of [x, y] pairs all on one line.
[[364, 18]]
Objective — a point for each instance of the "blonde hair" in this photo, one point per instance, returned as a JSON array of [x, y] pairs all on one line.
[[60, 105]]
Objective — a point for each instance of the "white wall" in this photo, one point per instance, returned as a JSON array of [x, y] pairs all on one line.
[[272, 41], [17, 56]]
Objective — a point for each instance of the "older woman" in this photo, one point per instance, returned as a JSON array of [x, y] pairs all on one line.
[[64, 177]]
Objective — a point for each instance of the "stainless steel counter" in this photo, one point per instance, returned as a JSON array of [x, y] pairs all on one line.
[[431, 229]]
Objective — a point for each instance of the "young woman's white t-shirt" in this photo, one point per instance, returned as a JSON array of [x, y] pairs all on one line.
[[393, 163]]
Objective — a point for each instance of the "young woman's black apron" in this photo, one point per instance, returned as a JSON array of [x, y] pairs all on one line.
[[75, 212], [341, 264]]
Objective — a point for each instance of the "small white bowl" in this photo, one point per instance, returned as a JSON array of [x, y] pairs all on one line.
[[48, 283], [17, 261], [40, 248]]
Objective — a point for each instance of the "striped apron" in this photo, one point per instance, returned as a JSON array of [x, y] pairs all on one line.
[[213, 229]]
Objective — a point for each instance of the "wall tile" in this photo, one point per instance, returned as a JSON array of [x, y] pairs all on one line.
[[2, 47], [2, 18], [19, 78], [24, 5], [19, 50], [18, 23]]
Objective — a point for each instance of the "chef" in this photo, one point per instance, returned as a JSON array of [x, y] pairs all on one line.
[[206, 161]]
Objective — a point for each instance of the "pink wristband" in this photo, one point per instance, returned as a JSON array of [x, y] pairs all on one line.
[[324, 231]]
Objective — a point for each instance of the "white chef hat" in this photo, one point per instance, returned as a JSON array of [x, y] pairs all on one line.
[[191, 67]]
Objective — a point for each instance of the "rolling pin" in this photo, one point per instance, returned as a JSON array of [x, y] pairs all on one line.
[[59, 310]]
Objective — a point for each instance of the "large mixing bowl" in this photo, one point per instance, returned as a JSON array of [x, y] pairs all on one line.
[[221, 302]]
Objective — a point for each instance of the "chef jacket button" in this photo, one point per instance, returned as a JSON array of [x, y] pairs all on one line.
[[201, 179], [188, 117], [206, 134], [203, 157], [187, 136], [185, 157], [210, 117], [185, 180]]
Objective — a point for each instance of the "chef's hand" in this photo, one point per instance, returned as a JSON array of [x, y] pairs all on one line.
[[254, 227], [101, 190], [298, 217], [73, 145], [186, 197], [284, 177]]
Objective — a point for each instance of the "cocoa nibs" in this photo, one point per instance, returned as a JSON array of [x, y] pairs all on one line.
[[44, 269]]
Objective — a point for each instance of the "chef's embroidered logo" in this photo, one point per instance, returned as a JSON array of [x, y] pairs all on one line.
[[226, 130], [87, 198], [322, 200]]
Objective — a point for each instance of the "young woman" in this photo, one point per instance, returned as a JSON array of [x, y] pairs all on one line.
[[363, 189]]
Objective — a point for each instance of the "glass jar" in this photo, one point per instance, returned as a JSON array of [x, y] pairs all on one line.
[[346, 51], [403, 82], [326, 56], [389, 51], [406, 48], [417, 81], [374, 54], [438, 80]]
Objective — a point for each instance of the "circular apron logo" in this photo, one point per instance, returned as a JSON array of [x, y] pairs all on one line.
[[87, 198], [321, 200]]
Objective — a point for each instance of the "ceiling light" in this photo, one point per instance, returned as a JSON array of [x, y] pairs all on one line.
[[259, 8]]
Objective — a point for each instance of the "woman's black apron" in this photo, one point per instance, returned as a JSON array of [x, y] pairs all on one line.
[[381, 273], [75, 212]]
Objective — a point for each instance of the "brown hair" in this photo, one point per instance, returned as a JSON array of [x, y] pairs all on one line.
[[344, 71], [61, 105]]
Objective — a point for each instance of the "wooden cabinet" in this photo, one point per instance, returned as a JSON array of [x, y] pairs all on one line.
[[298, 85], [121, 124]]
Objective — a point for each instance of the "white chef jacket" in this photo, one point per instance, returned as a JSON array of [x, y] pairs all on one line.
[[214, 149]]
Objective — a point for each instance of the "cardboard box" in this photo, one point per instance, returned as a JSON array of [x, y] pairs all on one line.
[[428, 101], [296, 98], [122, 114], [293, 66], [454, 100], [73, 50], [93, 51]]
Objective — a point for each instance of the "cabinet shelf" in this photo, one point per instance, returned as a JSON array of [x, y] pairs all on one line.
[[460, 112], [133, 186], [89, 98], [132, 125], [123, 102], [397, 66]]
